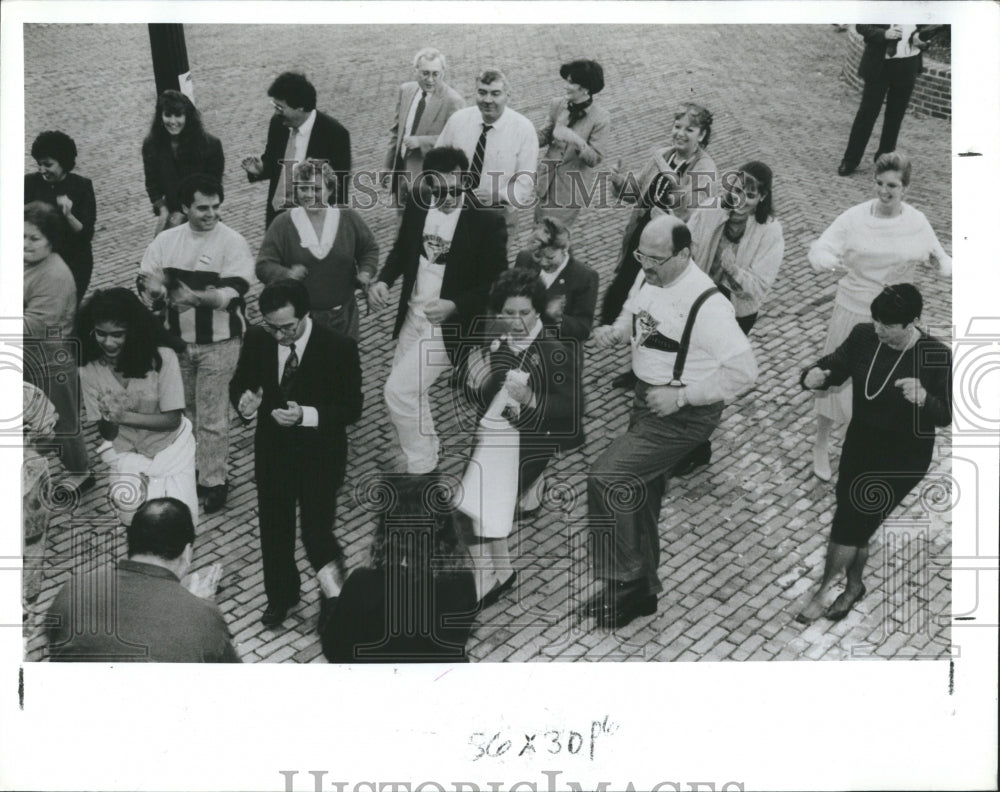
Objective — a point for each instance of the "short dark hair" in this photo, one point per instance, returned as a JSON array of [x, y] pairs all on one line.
[[490, 76], [293, 89], [446, 159], [57, 145], [162, 527], [900, 304], [49, 221], [199, 182], [280, 293], [518, 282], [680, 237], [556, 232], [587, 74], [699, 116]]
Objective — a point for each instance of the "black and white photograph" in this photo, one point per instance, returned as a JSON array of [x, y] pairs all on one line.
[[594, 395]]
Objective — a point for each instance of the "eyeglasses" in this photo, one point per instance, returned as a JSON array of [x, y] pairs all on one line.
[[646, 260], [283, 329], [451, 192]]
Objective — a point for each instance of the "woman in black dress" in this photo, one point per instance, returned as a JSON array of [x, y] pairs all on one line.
[[901, 380], [177, 146], [72, 195]]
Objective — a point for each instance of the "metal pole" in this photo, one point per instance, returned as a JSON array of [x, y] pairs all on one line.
[[170, 60]]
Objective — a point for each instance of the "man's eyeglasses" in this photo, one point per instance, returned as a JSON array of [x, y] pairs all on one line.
[[646, 260], [451, 192], [283, 329]]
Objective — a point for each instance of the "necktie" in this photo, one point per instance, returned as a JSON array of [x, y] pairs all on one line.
[[291, 366], [278, 202], [477, 159], [419, 112]]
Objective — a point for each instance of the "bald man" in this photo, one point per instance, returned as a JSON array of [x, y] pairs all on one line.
[[678, 403]]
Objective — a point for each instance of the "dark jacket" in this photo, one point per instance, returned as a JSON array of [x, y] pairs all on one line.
[[478, 254], [329, 141], [328, 378], [873, 57], [164, 171], [578, 284], [77, 251]]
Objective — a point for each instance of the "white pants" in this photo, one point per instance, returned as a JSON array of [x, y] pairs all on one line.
[[419, 360]]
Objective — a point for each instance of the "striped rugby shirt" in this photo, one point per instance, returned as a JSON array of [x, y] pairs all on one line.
[[219, 259]]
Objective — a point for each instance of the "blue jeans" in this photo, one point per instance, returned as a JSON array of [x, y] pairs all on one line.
[[626, 485], [206, 370]]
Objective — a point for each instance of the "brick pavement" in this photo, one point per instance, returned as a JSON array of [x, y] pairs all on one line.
[[743, 539]]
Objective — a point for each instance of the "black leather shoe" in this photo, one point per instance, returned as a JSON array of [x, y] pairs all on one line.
[[845, 168], [495, 593], [626, 380], [275, 614], [626, 611], [843, 604], [607, 598], [698, 456], [215, 498]]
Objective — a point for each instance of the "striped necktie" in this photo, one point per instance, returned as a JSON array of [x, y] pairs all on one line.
[[477, 158]]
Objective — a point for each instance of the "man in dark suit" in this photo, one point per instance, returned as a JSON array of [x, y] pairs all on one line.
[[890, 64], [422, 108], [139, 611], [570, 287], [298, 132], [448, 250], [303, 382]]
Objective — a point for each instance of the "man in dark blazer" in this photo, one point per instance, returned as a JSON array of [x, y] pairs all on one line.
[[570, 286], [303, 382], [449, 251], [422, 108], [298, 132], [890, 64]]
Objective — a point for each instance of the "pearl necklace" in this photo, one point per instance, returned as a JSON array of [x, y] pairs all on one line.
[[888, 377]]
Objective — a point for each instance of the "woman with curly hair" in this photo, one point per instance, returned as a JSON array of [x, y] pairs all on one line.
[[416, 602], [132, 388], [177, 146], [72, 195]]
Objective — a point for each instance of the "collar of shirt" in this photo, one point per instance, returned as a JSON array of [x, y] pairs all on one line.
[[300, 347], [520, 343], [306, 127], [549, 278], [147, 569], [441, 223]]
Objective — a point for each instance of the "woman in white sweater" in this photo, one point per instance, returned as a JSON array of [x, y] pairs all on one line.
[[875, 244]]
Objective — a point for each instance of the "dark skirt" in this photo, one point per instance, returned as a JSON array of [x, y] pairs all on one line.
[[877, 470]]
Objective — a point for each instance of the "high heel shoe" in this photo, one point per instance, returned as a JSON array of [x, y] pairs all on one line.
[[841, 607]]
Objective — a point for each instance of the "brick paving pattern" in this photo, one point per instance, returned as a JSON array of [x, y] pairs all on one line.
[[743, 540]]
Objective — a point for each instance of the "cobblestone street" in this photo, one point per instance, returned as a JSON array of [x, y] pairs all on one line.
[[742, 540]]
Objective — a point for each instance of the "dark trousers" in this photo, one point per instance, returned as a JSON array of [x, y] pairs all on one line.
[[314, 489], [626, 485], [893, 86]]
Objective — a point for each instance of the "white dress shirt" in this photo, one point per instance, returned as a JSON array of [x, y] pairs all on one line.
[[511, 148], [310, 416]]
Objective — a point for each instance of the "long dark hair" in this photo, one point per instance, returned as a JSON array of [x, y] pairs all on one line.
[[192, 141], [144, 333], [417, 525]]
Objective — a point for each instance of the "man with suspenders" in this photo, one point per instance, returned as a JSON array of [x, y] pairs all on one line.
[[690, 357]]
